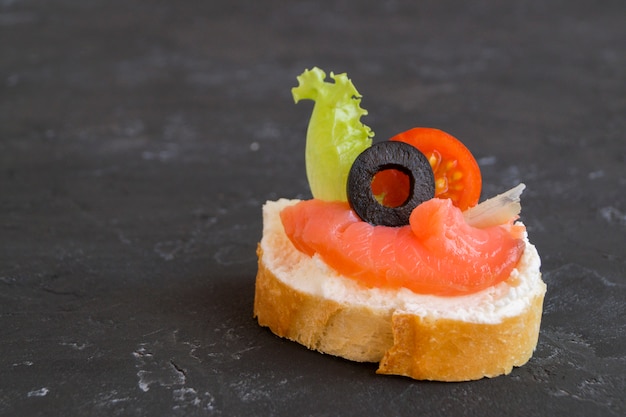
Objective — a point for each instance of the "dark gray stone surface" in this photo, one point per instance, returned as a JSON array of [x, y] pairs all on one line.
[[138, 140]]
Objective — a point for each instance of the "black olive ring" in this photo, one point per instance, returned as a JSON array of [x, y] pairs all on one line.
[[382, 156]]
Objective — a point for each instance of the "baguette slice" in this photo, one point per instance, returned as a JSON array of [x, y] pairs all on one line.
[[425, 337]]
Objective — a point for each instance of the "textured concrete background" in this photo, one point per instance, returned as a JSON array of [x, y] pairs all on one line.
[[139, 139]]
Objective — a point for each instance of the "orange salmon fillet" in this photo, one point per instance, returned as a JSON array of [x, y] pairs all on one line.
[[438, 253]]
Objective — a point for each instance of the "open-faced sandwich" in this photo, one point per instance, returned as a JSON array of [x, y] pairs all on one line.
[[394, 260]]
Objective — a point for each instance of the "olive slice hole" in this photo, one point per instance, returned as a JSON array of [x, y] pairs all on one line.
[[391, 196]]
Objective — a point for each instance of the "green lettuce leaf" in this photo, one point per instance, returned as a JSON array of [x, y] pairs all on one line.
[[335, 136]]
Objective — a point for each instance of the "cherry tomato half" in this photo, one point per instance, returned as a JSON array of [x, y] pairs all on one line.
[[457, 175]]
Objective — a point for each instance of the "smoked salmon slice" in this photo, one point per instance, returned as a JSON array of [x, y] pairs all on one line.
[[438, 253]]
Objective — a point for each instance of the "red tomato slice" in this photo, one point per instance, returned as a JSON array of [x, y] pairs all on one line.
[[457, 175]]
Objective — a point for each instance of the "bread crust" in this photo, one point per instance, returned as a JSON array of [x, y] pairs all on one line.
[[453, 350], [423, 347], [352, 332]]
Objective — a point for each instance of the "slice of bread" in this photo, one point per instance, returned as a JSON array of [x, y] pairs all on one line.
[[427, 337]]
